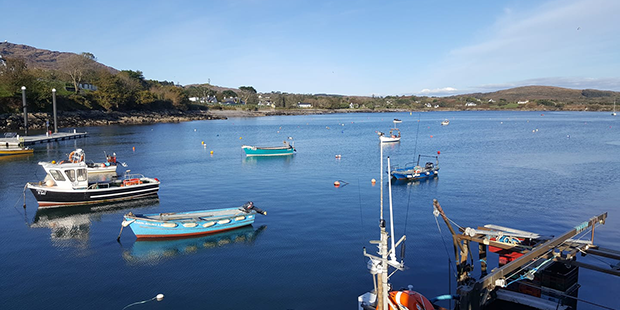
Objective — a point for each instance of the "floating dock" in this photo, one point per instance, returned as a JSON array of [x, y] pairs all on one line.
[[30, 140]]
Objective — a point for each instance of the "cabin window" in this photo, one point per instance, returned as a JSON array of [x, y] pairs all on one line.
[[71, 175], [81, 175], [57, 175]]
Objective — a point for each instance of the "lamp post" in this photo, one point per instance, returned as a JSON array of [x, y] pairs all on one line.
[[54, 104], [25, 110]]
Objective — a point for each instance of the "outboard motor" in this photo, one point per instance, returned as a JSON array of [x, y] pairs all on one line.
[[249, 206], [429, 165]]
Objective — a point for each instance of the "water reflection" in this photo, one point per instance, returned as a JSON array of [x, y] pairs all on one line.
[[70, 227], [395, 146], [253, 160], [152, 252], [6, 158]]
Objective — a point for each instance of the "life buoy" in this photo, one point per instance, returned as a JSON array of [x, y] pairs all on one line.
[[410, 299], [76, 157]]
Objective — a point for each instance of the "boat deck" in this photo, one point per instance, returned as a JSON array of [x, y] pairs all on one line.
[[199, 215]]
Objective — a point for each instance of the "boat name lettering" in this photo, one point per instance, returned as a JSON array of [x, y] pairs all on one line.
[[41, 191]]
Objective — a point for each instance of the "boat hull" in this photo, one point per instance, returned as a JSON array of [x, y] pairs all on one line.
[[145, 228], [410, 174], [51, 197], [385, 139], [268, 151]]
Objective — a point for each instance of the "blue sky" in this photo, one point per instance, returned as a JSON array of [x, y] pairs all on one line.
[[337, 47]]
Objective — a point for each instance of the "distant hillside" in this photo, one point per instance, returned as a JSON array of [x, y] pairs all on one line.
[[39, 58], [547, 93]]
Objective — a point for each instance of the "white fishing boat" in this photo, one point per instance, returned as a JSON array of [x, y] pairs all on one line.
[[67, 184], [445, 122], [613, 112], [392, 136]]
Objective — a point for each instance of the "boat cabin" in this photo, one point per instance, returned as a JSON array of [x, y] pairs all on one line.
[[66, 175]]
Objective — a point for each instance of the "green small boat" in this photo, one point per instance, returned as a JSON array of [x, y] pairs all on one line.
[[287, 149]]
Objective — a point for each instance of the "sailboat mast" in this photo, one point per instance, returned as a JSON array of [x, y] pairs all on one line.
[[393, 253], [381, 179]]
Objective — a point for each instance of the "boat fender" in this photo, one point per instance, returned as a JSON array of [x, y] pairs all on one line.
[[226, 221], [240, 218], [208, 224], [169, 225], [190, 225]]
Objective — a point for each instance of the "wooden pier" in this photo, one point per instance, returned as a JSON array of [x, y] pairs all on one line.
[[30, 140]]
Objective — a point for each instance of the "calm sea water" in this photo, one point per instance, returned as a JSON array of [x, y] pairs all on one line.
[[539, 172]]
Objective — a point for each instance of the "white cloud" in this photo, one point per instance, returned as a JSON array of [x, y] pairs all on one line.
[[438, 91], [546, 44]]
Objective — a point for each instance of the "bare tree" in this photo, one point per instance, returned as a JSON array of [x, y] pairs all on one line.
[[78, 67]]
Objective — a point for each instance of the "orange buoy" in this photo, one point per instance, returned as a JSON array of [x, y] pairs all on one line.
[[134, 148], [410, 300], [431, 136], [336, 184], [438, 152]]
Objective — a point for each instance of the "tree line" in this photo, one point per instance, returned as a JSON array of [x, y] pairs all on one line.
[[128, 90]]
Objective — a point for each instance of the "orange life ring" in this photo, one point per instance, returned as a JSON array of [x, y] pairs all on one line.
[[74, 159], [410, 299]]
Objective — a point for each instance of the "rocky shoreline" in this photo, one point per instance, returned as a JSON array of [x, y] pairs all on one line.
[[37, 121]]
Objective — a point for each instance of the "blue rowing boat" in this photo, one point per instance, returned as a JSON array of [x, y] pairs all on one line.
[[415, 172], [193, 223], [287, 149]]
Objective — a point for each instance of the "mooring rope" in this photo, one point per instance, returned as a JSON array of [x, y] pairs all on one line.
[[446, 248], [417, 132], [159, 297]]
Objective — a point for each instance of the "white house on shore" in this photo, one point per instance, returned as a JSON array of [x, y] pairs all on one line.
[[523, 102], [303, 105]]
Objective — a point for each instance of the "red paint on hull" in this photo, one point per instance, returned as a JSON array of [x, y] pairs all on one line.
[[140, 237]]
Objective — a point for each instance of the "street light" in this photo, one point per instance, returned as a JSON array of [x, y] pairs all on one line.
[[54, 104], [25, 110]]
